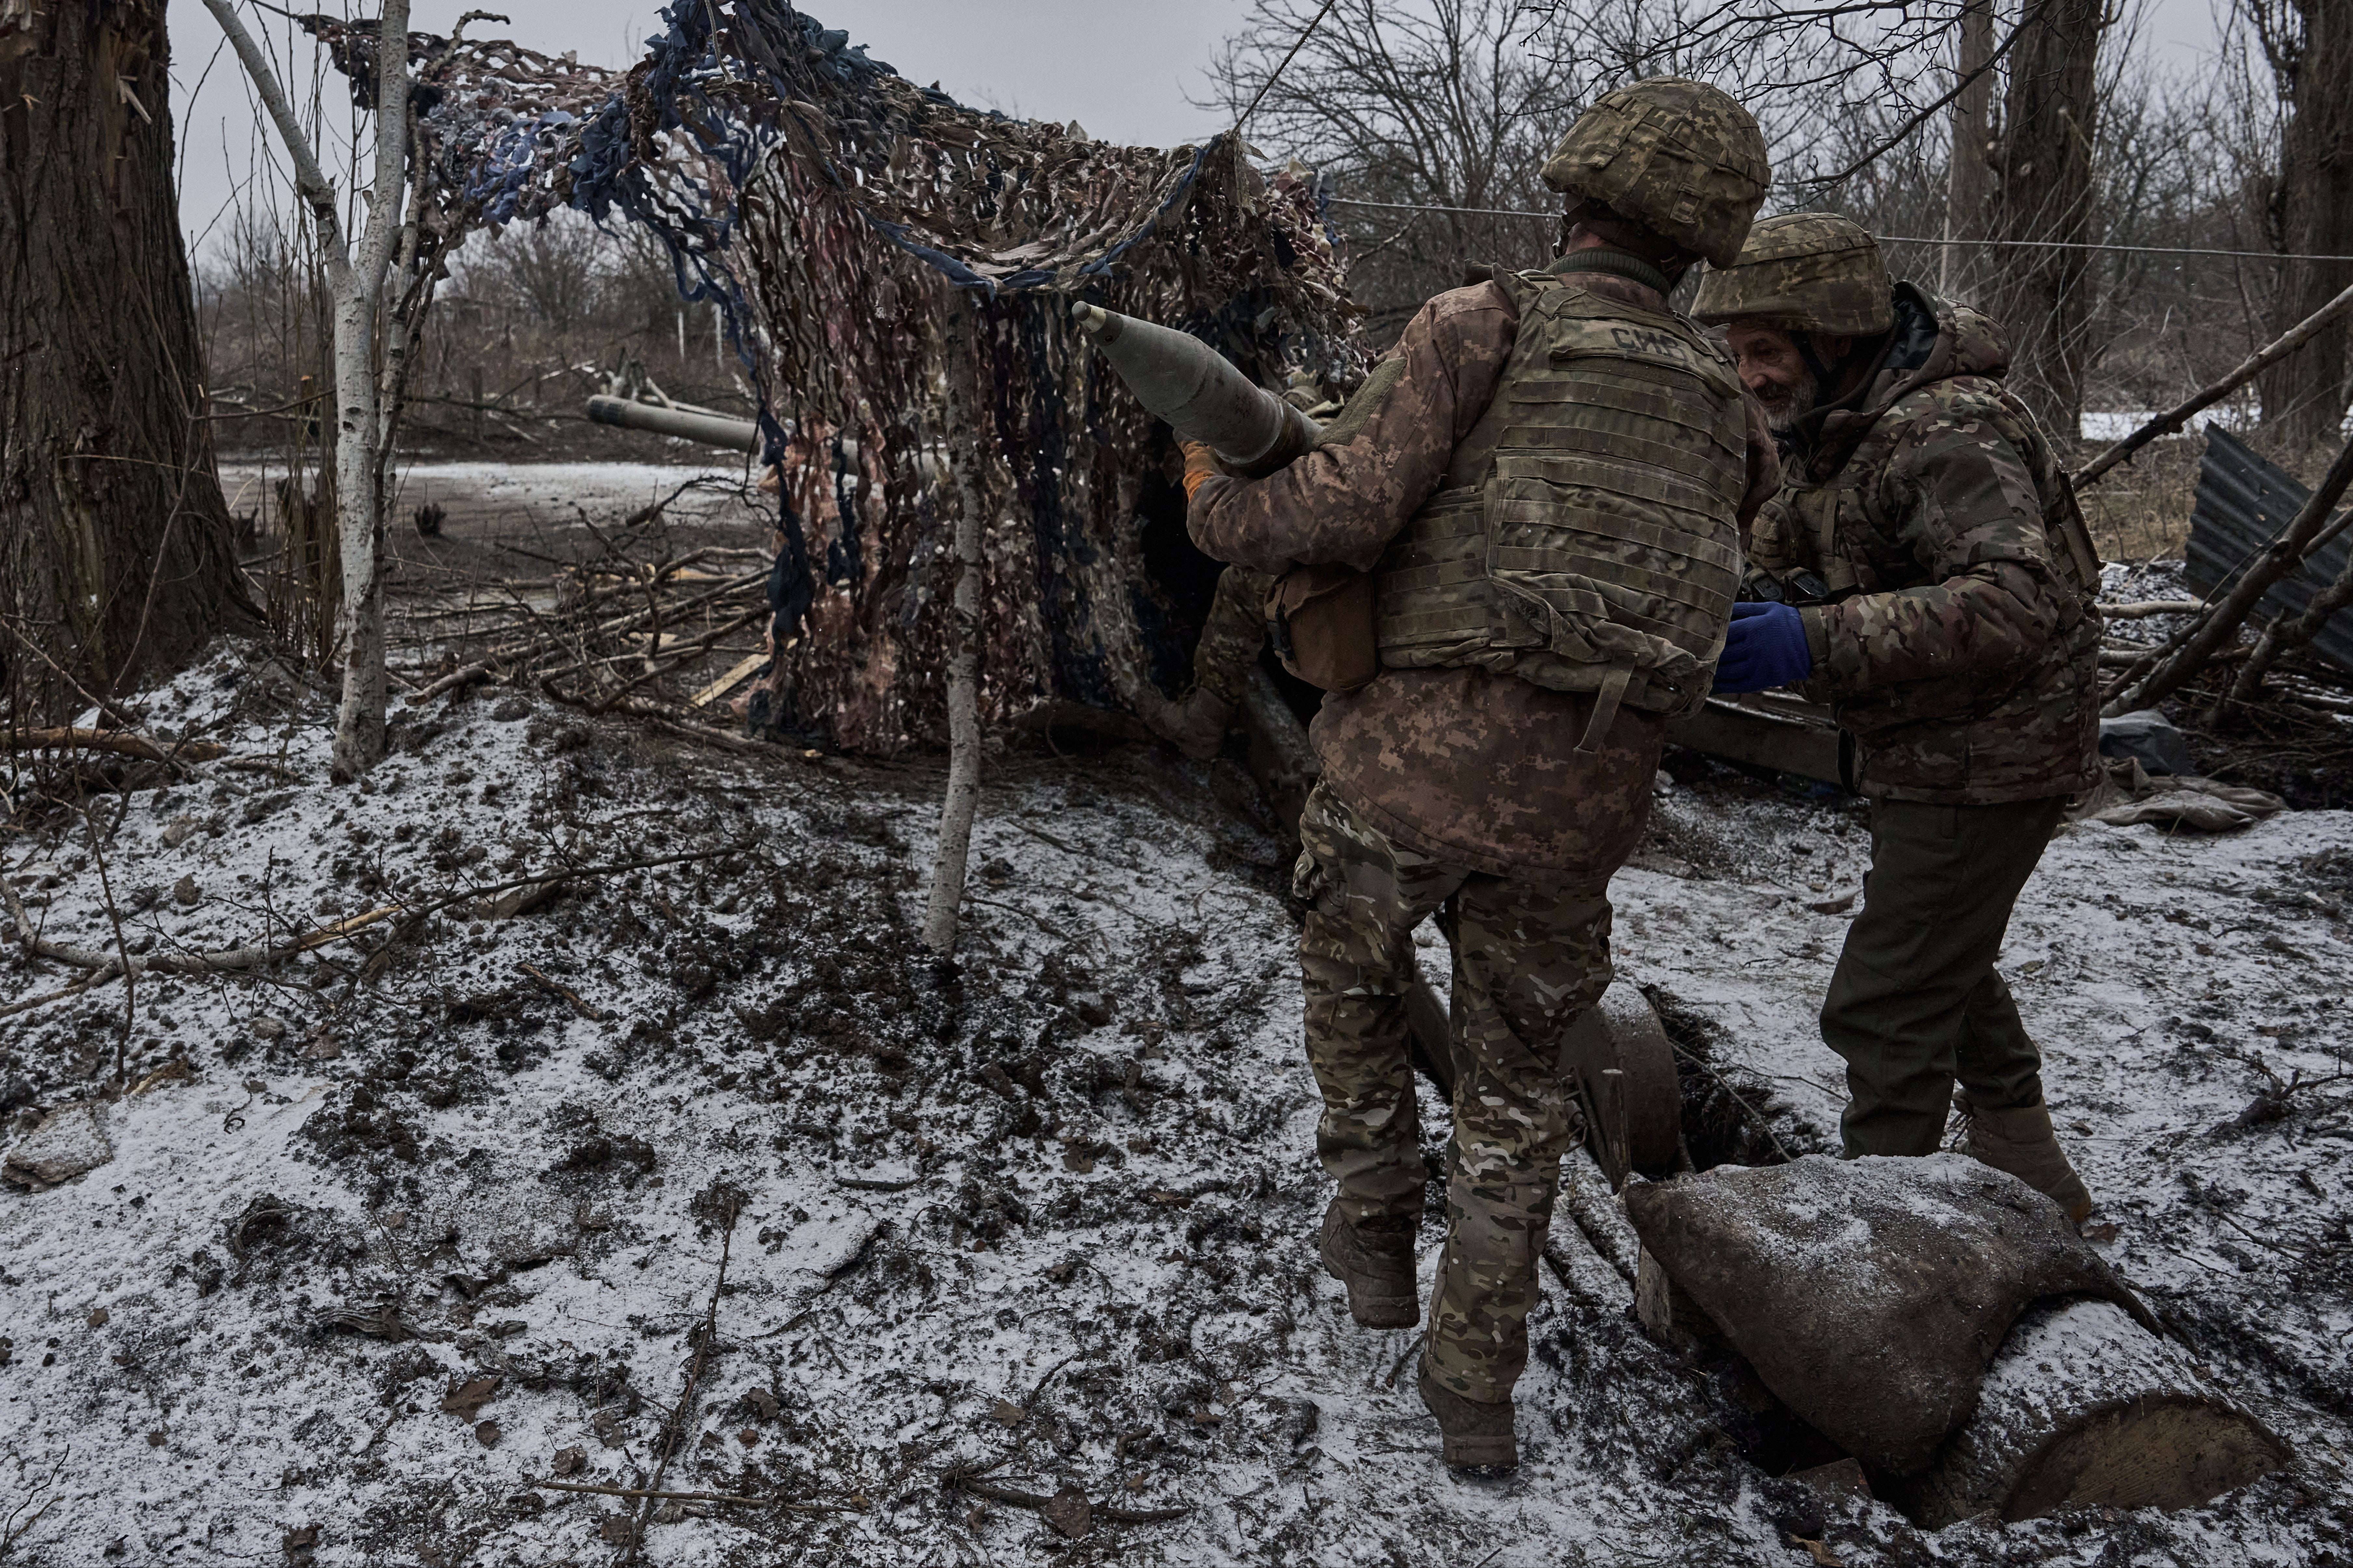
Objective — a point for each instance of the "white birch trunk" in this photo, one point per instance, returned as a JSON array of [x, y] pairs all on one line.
[[355, 275], [964, 664]]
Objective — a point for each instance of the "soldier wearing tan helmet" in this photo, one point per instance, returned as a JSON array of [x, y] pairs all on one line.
[[1925, 569], [1546, 482]]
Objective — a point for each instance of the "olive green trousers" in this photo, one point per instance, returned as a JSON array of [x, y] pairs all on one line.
[[1914, 1005]]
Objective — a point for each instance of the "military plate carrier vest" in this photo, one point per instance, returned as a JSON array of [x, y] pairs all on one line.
[[1585, 539]]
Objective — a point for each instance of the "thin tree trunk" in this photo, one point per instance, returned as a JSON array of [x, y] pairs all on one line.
[[2304, 397], [2044, 193], [116, 550], [1969, 175], [966, 454], [355, 274]]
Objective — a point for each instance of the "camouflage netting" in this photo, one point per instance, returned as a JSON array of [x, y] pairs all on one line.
[[859, 231]]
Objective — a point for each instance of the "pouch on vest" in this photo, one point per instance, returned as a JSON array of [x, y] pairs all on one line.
[[1320, 620]]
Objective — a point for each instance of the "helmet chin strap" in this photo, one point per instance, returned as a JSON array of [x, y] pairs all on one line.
[[1822, 373]]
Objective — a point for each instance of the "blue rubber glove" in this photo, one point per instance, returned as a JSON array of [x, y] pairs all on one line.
[[1766, 647]]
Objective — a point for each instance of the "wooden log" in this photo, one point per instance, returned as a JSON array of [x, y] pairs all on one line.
[[2083, 1405]]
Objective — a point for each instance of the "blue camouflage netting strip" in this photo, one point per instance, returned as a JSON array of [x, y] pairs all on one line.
[[860, 236]]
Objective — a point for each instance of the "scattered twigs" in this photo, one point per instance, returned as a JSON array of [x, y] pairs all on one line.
[[972, 1486], [639, 1491], [676, 1425], [535, 890], [1747, 1109], [2205, 397], [2181, 658]]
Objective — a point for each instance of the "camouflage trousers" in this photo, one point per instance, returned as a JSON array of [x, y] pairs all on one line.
[[1529, 957]]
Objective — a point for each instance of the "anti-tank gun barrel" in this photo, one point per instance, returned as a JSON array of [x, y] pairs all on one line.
[[1200, 392]]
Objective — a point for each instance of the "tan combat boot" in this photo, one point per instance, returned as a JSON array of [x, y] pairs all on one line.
[[1478, 1435], [1195, 723], [1374, 1261], [2020, 1140]]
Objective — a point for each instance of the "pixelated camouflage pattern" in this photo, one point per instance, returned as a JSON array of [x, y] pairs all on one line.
[[1599, 541], [1803, 272], [1529, 956], [1678, 156], [1476, 768], [1961, 650]]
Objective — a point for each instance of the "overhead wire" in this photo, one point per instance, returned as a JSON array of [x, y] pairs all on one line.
[[1884, 238]]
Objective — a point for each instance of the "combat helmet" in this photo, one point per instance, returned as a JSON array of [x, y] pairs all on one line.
[[1679, 157], [1802, 272]]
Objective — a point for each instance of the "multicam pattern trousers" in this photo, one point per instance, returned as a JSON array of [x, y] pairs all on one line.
[[1528, 958]]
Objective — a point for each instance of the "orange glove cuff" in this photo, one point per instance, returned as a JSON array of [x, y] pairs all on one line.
[[1200, 465]]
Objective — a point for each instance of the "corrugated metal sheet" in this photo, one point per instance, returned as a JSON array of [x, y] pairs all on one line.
[[2242, 504]]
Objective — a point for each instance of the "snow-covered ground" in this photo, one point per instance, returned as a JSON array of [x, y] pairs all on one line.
[[438, 1217]]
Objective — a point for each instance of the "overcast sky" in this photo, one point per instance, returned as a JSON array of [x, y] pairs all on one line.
[[1122, 69]]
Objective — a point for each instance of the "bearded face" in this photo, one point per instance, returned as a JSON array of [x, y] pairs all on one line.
[[1775, 373]]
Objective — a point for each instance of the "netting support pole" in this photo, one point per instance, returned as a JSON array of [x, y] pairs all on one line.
[[965, 452]]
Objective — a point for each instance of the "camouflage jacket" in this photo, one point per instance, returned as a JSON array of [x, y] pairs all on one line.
[[1471, 768], [1959, 644]]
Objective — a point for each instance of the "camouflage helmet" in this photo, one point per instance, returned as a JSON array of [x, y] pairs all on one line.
[[1679, 157], [1803, 272]]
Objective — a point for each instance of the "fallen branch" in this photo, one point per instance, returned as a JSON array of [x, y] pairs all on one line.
[[2182, 656], [557, 988], [2174, 418], [990, 1491], [676, 1425], [669, 1497], [123, 742], [535, 890], [2151, 608]]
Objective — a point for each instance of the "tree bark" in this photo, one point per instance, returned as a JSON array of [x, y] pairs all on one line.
[[967, 450], [2082, 1404], [2044, 193], [116, 551], [355, 275], [1969, 173], [2310, 47]]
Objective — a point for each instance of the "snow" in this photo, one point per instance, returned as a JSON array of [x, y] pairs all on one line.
[[1055, 1208]]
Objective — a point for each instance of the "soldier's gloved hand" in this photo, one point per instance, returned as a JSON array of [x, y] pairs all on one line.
[[1200, 465], [1766, 647]]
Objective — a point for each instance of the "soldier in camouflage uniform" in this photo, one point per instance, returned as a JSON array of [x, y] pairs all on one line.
[[1235, 632], [1547, 479], [1924, 569]]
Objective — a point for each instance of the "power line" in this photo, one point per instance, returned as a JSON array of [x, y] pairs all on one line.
[[1884, 238], [1297, 44]]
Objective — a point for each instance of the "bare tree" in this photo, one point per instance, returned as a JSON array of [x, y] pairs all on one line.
[[356, 271], [2308, 45], [2043, 204], [115, 544], [1410, 110]]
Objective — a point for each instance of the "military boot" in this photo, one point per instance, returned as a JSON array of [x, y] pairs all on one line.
[[2020, 1140], [1478, 1435], [1195, 723], [1374, 1261]]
